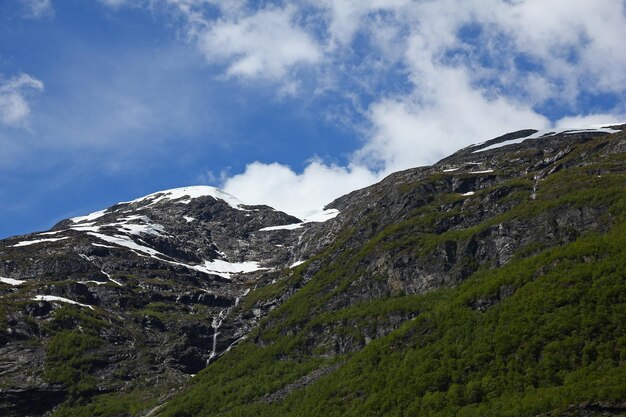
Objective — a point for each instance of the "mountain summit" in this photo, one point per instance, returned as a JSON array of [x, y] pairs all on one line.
[[490, 283]]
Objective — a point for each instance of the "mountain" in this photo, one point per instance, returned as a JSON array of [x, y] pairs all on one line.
[[491, 283]]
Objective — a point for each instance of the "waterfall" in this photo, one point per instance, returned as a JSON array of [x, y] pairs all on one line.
[[217, 322]]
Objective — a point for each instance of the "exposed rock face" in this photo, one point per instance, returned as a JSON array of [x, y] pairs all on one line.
[[161, 272], [155, 289]]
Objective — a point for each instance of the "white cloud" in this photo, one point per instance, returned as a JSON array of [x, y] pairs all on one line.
[[280, 187], [406, 132], [265, 45], [442, 113], [346, 17], [36, 9], [14, 107], [407, 135], [593, 31], [359, 48], [446, 108], [590, 120], [114, 3]]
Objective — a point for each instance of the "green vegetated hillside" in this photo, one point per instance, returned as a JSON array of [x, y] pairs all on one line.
[[543, 334]]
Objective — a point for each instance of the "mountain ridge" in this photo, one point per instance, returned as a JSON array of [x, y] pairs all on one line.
[[142, 272]]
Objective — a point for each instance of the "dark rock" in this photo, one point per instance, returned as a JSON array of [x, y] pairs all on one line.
[[149, 306]]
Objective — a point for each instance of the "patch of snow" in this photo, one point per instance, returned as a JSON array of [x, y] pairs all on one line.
[[226, 269], [124, 226], [116, 282], [11, 281], [89, 228], [551, 132], [103, 246], [60, 300], [32, 242], [111, 279], [50, 233], [135, 217], [318, 216], [146, 227], [451, 169], [292, 226], [468, 193], [293, 265], [188, 219], [486, 171], [176, 194], [190, 193], [309, 216], [218, 267], [91, 216], [126, 242], [143, 229]]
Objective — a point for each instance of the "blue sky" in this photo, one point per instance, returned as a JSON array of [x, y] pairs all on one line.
[[291, 104]]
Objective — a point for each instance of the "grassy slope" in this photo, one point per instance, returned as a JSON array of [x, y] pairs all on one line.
[[557, 338]]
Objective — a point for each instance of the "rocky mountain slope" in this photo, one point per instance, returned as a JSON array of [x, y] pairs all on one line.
[[408, 297]]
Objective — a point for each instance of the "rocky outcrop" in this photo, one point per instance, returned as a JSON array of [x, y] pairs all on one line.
[[148, 292]]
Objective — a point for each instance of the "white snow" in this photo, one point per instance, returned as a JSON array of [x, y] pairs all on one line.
[[309, 216], [191, 193], [451, 169], [86, 228], [216, 267], [174, 194], [111, 279], [143, 229], [226, 269], [127, 243], [82, 255], [468, 193], [292, 226], [32, 242], [91, 216], [188, 219], [103, 246], [293, 265], [11, 281], [550, 132], [50, 233], [60, 300], [318, 216], [102, 282], [115, 281], [142, 225], [486, 171]]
